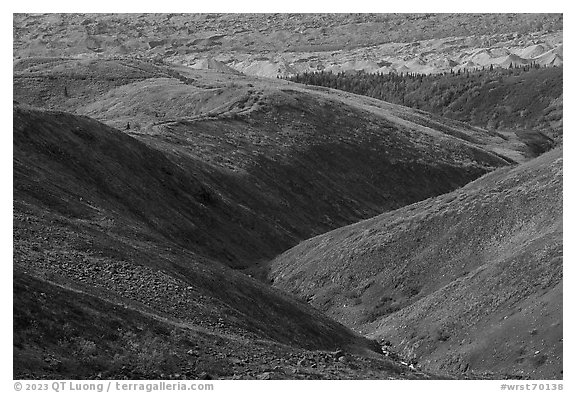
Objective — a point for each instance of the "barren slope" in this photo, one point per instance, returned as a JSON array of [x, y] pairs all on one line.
[[285, 44], [470, 281]]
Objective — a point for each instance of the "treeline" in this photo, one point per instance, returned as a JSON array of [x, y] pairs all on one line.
[[528, 97]]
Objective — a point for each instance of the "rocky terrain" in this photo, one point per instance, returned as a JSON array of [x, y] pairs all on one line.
[[69, 334], [286, 44], [526, 101], [181, 213]]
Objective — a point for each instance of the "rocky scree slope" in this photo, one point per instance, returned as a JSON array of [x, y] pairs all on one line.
[[468, 282]]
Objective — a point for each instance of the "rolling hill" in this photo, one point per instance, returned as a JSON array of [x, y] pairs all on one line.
[[263, 150], [180, 212], [467, 283], [92, 214]]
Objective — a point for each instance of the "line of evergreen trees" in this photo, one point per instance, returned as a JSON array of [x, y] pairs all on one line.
[[411, 89], [492, 97]]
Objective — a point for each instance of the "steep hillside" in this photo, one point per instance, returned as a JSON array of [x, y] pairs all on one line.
[[99, 167], [278, 162], [98, 218], [61, 333], [468, 282]]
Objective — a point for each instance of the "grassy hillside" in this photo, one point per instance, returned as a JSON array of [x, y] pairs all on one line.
[[97, 220], [62, 333], [468, 282], [162, 198], [275, 163]]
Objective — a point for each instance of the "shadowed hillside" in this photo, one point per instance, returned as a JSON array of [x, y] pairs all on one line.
[[468, 282], [181, 210], [62, 333], [278, 163], [91, 237]]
